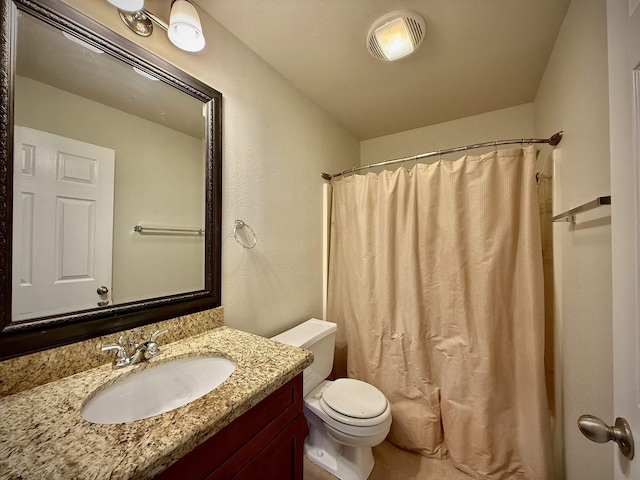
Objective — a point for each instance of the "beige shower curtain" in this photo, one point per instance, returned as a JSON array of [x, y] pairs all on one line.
[[435, 282]]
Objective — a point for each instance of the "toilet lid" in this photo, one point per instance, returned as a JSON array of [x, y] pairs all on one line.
[[354, 398]]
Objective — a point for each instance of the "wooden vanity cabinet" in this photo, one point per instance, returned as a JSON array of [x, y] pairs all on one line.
[[266, 442]]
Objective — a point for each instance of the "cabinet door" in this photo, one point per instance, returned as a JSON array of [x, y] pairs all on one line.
[[282, 458], [239, 444]]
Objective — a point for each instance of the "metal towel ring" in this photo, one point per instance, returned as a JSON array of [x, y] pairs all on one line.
[[239, 224]]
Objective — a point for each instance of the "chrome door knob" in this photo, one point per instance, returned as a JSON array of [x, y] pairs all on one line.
[[102, 290], [598, 431]]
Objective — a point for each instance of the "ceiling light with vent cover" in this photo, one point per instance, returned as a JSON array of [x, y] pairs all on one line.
[[396, 35]]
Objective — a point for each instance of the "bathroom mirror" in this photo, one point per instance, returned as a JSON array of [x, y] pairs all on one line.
[[110, 182]]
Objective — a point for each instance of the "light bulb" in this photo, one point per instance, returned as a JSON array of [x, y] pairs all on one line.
[[394, 39], [185, 30], [128, 5]]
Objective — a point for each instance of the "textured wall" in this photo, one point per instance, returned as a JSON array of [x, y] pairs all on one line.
[[514, 122]]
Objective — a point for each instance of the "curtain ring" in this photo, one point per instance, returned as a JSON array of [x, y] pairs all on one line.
[[402, 163], [368, 168], [439, 155]]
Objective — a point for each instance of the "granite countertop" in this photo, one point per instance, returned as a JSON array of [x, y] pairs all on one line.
[[43, 435]]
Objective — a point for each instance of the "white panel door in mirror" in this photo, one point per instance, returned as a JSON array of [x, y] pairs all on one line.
[[63, 224]]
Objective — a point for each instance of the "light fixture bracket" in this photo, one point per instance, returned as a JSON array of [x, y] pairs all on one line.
[[138, 22]]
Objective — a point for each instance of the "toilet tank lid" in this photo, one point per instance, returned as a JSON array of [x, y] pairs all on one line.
[[306, 333]]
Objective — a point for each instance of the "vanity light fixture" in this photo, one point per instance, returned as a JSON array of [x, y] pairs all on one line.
[[184, 28], [396, 35]]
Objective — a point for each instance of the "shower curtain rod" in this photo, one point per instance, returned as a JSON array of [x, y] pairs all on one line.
[[553, 140]]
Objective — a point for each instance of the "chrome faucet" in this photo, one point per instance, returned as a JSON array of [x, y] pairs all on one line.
[[140, 353]]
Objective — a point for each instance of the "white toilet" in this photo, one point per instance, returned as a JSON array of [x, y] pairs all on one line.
[[346, 417]]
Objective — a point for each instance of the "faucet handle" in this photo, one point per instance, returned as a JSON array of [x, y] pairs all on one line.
[[122, 359], [157, 333], [152, 345]]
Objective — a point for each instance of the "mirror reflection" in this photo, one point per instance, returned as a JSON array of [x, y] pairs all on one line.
[[99, 149]]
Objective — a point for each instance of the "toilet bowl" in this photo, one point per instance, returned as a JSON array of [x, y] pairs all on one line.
[[346, 417]]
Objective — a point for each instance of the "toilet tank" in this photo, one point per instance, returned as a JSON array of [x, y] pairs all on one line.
[[319, 337]]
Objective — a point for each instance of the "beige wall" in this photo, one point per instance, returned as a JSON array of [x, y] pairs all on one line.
[[573, 96], [174, 196], [275, 144], [514, 122]]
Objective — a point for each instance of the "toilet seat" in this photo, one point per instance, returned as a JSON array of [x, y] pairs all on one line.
[[374, 427], [353, 402], [355, 398]]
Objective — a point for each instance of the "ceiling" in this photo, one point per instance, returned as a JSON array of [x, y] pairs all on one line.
[[477, 56]]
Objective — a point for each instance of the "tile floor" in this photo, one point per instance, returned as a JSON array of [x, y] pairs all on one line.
[[393, 463]]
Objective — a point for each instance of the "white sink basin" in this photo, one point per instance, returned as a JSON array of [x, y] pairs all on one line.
[[157, 389]]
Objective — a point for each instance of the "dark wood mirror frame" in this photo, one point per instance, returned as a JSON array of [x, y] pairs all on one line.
[[48, 332]]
